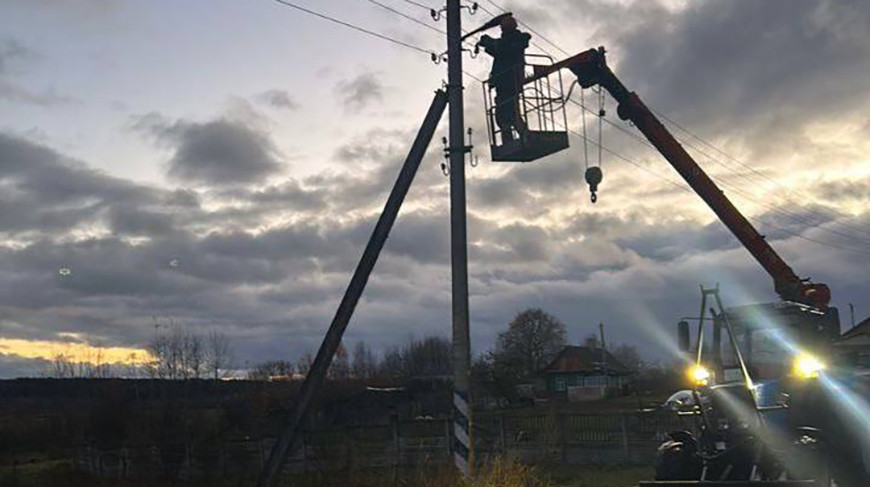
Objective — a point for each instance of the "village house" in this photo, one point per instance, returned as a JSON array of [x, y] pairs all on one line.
[[583, 373]]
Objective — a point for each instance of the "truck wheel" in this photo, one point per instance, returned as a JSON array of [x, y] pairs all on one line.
[[678, 458]]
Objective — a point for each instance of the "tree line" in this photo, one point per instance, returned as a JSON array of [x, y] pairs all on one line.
[[531, 341], [177, 354], [427, 357]]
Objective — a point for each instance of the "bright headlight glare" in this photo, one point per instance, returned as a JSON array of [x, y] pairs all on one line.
[[699, 375], [806, 366]]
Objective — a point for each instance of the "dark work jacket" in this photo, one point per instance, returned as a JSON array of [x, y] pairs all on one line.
[[508, 55]]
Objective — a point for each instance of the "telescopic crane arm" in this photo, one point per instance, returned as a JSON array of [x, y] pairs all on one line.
[[591, 69]]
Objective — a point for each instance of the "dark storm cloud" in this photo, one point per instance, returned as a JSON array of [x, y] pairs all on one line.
[[770, 66], [219, 152], [44, 190], [278, 99], [359, 92]]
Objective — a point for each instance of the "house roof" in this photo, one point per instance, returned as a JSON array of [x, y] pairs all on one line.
[[585, 360], [862, 328]]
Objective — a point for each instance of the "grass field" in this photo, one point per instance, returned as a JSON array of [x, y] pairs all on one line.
[[508, 474]]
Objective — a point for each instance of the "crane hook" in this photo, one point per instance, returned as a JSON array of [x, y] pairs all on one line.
[[594, 176]]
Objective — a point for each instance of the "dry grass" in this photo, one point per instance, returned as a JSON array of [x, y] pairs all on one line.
[[500, 473]]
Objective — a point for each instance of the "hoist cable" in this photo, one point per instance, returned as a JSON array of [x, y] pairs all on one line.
[[782, 211], [585, 144], [685, 188], [600, 122], [824, 217], [601, 147]]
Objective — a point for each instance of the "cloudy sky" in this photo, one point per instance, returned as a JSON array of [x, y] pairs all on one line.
[[221, 163]]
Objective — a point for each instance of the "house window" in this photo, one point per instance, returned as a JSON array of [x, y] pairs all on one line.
[[595, 381], [560, 383]]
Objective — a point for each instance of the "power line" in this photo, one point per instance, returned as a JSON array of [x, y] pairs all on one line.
[[770, 207], [534, 44], [777, 184], [416, 4], [533, 31], [782, 211], [406, 16], [600, 146], [686, 189], [712, 146], [385, 37]]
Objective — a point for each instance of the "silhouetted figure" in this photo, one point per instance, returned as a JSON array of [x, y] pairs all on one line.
[[508, 66]]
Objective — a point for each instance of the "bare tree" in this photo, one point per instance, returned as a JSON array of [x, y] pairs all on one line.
[[61, 366], [89, 365], [183, 355], [218, 355], [363, 366], [591, 340], [431, 356], [628, 356], [393, 364], [272, 370], [532, 340], [340, 367], [304, 363]]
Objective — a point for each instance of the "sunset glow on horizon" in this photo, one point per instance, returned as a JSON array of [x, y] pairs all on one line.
[[74, 352]]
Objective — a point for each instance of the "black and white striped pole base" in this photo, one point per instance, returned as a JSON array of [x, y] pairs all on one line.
[[461, 432]]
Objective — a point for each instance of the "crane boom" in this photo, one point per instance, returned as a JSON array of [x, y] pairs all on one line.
[[591, 68]]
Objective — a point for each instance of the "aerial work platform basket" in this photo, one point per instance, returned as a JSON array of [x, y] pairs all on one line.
[[541, 110]]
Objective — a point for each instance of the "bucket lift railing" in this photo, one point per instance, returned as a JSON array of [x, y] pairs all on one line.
[[541, 110]]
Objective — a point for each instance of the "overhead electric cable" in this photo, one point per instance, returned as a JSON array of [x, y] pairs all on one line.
[[385, 37], [824, 217], [586, 139], [417, 4], [687, 189], [776, 209], [533, 31], [776, 184], [406, 16]]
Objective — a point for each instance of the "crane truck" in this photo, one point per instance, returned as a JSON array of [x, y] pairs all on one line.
[[766, 422]]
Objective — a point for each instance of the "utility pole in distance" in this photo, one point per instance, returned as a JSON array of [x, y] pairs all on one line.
[[462, 420]]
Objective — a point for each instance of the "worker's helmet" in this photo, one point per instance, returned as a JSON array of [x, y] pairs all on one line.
[[508, 23]]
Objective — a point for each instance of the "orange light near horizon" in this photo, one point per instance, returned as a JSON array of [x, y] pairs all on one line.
[[76, 352]]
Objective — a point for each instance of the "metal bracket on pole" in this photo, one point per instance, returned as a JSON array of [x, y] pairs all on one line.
[[314, 380]]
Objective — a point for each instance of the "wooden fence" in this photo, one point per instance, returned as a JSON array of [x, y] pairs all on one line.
[[533, 438]]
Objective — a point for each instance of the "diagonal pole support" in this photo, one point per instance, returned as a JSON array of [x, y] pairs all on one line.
[[314, 380]]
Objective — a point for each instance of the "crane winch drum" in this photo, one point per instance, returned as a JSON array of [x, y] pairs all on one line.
[[541, 110]]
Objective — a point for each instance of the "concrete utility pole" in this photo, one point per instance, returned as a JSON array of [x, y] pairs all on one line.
[[462, 419], [316, 376]]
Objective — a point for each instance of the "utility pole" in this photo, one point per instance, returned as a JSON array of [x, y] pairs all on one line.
[[462, 419], [316, 376]]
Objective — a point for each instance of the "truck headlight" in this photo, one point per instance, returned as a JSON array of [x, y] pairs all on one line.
[[807, 366], [699, 374]]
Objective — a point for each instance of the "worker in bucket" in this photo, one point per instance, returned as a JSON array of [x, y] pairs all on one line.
[[508, 67]]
